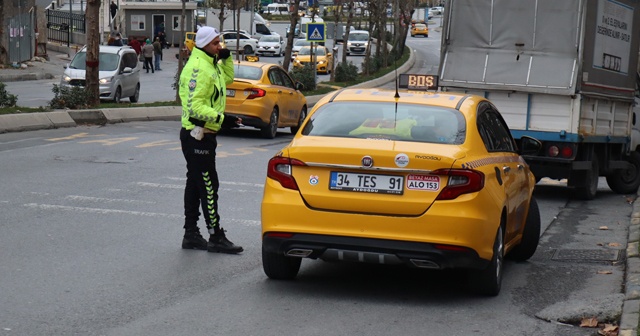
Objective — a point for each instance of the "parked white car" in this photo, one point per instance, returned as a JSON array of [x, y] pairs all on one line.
[[247, 45], [271, 45]]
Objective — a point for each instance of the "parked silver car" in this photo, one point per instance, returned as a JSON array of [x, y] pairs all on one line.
[[119, 73]]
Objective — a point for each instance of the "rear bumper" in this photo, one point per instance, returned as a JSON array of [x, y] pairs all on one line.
[[378, 251], [249, 120]]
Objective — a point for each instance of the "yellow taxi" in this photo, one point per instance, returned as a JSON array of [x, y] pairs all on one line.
[[189, 40], [265, 97], [430, 180], [324, 58], [419, 29]]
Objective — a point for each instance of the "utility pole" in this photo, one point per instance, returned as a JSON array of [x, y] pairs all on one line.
[[182, 52]]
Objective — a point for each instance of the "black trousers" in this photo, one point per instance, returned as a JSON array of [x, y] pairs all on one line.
[[148, 64], [202, 186]]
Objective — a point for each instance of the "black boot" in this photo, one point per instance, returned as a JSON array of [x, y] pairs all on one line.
[[219, 243], [194, 240]]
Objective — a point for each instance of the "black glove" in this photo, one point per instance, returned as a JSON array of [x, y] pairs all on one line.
[[230, 122], [197, 122], [224, 53]]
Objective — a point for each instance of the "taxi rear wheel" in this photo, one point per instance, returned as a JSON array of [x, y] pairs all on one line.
[[280, 267], [530, 235], [271, 129], [489, 280], [303, 115]]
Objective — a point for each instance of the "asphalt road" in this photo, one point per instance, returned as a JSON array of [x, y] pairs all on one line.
[[91, 246]]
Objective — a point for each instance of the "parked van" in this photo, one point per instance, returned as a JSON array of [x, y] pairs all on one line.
[[119, 72]]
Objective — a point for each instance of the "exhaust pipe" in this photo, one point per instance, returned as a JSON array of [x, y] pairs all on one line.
[[420, 263], [300, 253]]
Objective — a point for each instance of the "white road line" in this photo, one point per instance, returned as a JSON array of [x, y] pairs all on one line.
[[105, 200], [100, 211], [248, 222], [181, 186]]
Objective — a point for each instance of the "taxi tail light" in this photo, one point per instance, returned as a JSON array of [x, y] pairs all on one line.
[[280, 169], [255, 93], [461, 181]]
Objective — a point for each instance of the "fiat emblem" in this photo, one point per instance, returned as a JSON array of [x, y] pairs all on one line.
[[367, 162]]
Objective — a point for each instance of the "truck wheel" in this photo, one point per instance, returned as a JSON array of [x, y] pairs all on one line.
[[530, 235], [626, 181], [587, 181], [489, 280], [280, 267]]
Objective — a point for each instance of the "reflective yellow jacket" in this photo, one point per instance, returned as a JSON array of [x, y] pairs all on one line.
[[203, 88]]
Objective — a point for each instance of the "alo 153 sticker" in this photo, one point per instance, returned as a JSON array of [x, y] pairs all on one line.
[[423, 182]]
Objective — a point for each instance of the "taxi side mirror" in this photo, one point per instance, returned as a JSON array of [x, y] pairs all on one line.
[[329, 55], [529, 145], [299, 86]]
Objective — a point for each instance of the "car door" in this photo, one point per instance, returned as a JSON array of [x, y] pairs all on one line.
[[505, 165], [292, 96], [281, 94], [231, 40]]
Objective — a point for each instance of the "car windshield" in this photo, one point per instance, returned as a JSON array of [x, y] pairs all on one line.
[[302, 43], [269, 38], [107, 62], [307, 51], [358, 37], [385, 121], [247, 72]]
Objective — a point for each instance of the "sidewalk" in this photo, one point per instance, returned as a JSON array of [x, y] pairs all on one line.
[[40, 68]]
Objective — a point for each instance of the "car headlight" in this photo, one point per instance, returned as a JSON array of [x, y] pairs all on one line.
[[349, 44], [366, 44], [66, 78], [322, 62], [276, 47], [105, 80], [297, 61]]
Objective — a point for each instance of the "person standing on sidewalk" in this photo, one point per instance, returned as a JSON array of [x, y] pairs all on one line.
[[157, 48], [202, 89], [147, 52]]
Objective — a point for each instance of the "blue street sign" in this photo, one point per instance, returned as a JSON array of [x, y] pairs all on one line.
[[311, 3], [316, 32]]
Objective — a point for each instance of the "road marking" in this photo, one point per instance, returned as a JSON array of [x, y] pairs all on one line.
[[257, 185], [73, 136], [105, 200], [100, 211], [157, 143], [110, 142]]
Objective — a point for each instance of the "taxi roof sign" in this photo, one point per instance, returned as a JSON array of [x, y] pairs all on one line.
[[418, 82]]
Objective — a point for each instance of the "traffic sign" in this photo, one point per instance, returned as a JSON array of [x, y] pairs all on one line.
[[316, 32]]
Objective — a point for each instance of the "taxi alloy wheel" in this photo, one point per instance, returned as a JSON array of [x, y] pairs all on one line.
[[489, 280], [278, 266], [271, 129], [303, 115], [530, 235]]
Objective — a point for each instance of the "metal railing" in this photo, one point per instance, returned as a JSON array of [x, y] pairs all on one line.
[[62, 24]]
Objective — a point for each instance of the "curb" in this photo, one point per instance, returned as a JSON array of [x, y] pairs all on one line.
[[631, 304]]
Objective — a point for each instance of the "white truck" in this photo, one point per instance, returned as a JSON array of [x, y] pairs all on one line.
[[251, 22], [564, 72]]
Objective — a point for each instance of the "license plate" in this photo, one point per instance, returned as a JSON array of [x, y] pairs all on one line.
[[231, 93], [368, 183]]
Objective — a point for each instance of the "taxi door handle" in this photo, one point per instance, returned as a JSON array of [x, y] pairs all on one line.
[[279, 91], [506, 169], [520, 167]]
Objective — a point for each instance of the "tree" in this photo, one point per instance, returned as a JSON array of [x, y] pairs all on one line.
[[337, 12], [347, 29], [405, 11], [181, 52], [93, 52], [293, 23]]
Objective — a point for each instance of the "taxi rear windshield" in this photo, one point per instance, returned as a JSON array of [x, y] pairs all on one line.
[[247, 72], [386, 121]]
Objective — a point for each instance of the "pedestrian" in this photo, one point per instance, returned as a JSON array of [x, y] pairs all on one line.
[[118, 40], [147, 52], [157, 48], [114, 9], [135, 44], [202, 89]]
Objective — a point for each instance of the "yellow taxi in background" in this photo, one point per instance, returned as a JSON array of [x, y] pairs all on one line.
[[426, 179], [323, 56], [419, 29], [190, 40], [265, 97]]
